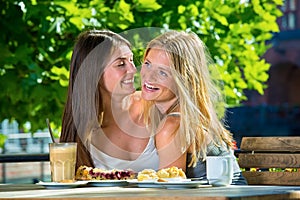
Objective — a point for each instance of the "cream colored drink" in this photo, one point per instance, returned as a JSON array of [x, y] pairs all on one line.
[[62, 161]]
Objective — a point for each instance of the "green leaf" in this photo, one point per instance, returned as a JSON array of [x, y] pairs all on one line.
[[60, 74], [2, 140], [147, 5], [181, 9]]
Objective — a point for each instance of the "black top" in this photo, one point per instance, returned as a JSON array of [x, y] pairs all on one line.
[[199, 171]]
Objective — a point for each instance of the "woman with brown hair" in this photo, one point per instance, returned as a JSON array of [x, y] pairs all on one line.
[[103, 112]]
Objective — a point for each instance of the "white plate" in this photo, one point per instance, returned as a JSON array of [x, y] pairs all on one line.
[[57, 185], [144, 184], [107, 183], [183, 184], [174, 179]]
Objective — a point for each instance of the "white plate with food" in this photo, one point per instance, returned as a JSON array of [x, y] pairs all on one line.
[[61, 185], [107, 183], [182, 184]]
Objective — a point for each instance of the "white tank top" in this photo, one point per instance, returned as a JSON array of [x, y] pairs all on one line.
[[147, 160]]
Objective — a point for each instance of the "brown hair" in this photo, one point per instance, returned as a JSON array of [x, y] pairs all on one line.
[[83, 108]]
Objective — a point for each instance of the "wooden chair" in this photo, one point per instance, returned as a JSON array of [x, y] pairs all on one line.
[[267, 153]]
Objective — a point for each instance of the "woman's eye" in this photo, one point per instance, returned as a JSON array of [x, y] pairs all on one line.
[[147, 64], [162, 73], [122, 63]]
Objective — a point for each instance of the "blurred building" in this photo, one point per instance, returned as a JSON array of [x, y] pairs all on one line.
[[284, 57], [277, 112]]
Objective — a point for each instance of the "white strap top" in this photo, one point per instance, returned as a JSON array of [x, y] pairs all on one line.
[[147, 160], [174, 114]]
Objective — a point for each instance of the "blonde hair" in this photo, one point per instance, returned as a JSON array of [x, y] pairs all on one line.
[[197, 94]]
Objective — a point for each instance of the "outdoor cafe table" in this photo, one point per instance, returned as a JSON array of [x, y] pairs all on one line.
[[34, 192]]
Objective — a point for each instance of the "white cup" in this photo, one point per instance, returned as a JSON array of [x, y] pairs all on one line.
[[219, 170]]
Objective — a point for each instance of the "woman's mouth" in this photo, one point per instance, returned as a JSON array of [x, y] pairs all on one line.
[[128, 81], [150, 87]]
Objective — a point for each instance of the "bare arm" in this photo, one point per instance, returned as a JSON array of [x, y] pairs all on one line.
[[168, 144]]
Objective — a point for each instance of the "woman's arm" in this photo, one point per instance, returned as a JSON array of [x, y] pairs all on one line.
[[168, 144]]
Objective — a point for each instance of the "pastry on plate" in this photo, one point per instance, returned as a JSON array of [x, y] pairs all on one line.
[[162, 175], [147, 174], [171, 172]]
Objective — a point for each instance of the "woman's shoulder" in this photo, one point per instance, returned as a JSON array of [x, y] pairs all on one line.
[[136, 104], [135, 98], [136, 101], [132, 100], [169, 125]]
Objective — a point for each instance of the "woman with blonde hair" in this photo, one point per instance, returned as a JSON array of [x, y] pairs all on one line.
[[181, 99]]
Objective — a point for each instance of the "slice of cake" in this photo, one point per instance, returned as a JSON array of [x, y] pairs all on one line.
[[89, 173]]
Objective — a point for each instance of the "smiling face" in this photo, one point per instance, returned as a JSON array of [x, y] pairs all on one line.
[[158, 83], [118, 77]]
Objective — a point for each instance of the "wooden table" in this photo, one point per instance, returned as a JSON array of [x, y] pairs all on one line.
[[37, 192]]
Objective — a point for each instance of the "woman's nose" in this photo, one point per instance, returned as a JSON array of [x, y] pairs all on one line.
[[151, 75], [131, 68]]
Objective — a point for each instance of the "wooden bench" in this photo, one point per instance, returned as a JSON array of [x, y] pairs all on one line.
[[273, 158]]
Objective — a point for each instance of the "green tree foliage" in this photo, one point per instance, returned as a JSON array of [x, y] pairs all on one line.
[[37, 38], [2, 140]]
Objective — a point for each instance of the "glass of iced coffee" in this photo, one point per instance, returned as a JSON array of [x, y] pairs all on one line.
[[62, 161]]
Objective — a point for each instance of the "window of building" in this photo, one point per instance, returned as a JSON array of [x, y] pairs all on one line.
[[291, 21], [292, 5], [288, 20]]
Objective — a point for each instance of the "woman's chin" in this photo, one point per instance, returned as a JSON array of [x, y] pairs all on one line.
[[148, 97]]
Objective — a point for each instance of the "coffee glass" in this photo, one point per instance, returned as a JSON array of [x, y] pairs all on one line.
[[62, 161], [219, 170]]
